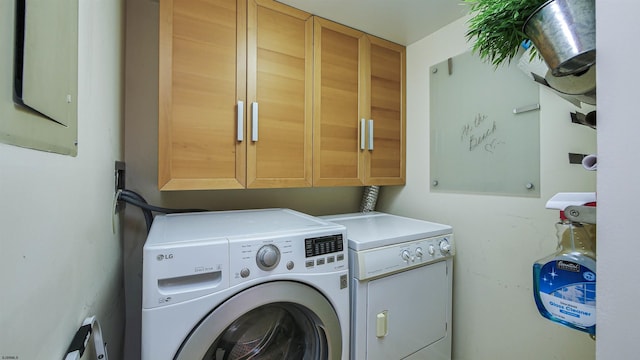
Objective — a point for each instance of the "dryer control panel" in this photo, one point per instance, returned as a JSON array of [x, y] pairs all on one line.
[[381, 261]]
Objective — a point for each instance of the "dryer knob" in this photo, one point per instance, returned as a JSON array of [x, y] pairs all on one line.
[[268, 257], [445, 247], [419, 252], [406, 255], [431, 250]]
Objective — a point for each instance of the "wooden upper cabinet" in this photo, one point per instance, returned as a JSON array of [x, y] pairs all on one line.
[[337, 146], [202, 76], [359, 108], [235, 93], [247, 100], [279, 95], [385, 82]]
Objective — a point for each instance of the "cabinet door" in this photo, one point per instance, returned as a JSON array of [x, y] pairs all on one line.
[[337, 141], [385, 157], [279, 95], [202, 64]]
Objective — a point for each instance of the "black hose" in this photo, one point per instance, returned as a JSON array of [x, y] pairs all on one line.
[[136, 199]]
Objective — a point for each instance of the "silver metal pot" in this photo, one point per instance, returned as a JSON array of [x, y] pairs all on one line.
[[564, 33]]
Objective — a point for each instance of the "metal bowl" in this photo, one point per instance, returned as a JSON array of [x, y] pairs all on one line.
[[564, 33]]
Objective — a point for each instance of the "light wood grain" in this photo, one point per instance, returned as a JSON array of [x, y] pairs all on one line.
[[357, 76], [313, 81], [202, 76], [279, 79], [337, 157], [387, 81]]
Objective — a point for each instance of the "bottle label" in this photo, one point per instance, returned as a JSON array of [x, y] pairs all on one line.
[[568, 291]]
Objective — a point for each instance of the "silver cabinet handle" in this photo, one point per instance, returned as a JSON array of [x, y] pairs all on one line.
[[240, 121], [370, 134], [254, 121], [363, 135]]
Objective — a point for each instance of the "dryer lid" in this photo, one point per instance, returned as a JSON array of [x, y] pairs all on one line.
[[376, 229]]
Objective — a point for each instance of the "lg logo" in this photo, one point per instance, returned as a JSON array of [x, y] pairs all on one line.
[[163, 257]]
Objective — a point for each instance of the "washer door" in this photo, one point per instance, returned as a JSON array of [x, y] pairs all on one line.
[[277, 320]]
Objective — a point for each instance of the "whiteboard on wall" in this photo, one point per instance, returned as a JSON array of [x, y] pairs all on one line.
[[485, 129]]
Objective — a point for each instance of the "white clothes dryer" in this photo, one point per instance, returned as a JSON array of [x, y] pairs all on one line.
[[401, 272], [251, 284]]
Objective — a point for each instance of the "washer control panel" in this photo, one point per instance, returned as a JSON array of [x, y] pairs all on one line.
[[313, 253], [268, 257], [323, 245], [385, 260]]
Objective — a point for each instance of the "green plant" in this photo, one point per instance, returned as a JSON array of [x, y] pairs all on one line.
[[496, 26]]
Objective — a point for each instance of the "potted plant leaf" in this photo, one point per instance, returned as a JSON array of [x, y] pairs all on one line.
[[562, 31]]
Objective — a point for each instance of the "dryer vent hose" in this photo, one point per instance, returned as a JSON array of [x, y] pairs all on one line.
[[369, 198]]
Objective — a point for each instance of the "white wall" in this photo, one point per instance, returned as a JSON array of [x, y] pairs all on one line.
[[61, 258], [498, 237], [618, 179]]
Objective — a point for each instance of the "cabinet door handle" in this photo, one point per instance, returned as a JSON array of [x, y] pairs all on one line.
[[370, 134], [254, 121], [240, 121], [363, 134]]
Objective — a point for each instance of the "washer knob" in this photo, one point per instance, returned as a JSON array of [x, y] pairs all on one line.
[[445, 247], [431, 250], [268, 257], [245, 272], [419, 252]]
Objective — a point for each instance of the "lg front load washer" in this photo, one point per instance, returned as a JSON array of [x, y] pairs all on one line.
[[252, 284]]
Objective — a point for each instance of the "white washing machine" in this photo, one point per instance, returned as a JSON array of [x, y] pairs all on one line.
[[263, 284], [401, 273]]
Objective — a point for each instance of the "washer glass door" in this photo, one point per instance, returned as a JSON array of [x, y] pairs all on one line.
[[272, 321], [275, 331]]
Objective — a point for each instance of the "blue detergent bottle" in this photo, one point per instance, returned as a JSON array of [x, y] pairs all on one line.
[[564, 283]]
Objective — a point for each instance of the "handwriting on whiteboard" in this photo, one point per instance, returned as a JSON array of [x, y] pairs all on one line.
[[480, 134]]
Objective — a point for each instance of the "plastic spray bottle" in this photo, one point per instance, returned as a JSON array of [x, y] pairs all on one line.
[[564, 283]]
